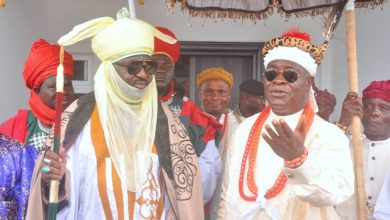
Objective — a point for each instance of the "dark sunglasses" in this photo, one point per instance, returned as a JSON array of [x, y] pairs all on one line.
[[289, 75], [135, 67]]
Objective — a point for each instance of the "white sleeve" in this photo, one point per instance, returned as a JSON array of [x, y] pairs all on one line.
[[382, 206], [326, 178], [210, 168]]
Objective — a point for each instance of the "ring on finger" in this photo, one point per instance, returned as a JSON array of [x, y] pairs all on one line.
[[47, 161], [45, 169]]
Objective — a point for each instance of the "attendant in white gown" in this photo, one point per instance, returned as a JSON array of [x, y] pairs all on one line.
[[215, 88], [374, 109]]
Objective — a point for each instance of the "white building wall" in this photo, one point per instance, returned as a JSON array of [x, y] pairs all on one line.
[[54, 18], [21, 23]]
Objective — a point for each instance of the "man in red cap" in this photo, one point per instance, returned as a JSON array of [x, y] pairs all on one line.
[[202, 128], [32, 126], [374, 110]]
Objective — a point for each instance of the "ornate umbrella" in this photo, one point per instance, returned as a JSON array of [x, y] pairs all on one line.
[[261, 9]]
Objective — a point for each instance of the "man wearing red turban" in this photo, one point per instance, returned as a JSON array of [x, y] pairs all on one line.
[[202, 127], [374, 110], [40, 69]]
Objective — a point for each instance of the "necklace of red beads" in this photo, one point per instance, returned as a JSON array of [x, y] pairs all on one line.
[[250, 155]]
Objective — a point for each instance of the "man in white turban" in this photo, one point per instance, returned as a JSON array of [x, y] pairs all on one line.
[[123, 155]]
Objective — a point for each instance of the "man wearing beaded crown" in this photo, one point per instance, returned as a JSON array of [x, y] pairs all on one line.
[[287, 162]]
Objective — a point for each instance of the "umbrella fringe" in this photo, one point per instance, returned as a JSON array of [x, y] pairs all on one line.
[[213, 12], [307, 13], [370, 4], [226, 13]]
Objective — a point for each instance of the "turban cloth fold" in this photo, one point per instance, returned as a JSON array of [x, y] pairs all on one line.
[[161, 47], [41, 63], [215, 73], [378, 89], [129, 141]]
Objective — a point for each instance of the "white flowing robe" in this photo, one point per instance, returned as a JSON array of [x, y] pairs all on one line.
[[85, 201], [322, 181]]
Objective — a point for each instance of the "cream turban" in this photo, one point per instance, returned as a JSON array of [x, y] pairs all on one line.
[[128, 115], [113, 40]]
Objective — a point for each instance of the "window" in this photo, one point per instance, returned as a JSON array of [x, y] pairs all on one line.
[[83, 75]]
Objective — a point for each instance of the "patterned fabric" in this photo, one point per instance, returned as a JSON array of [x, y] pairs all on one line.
[[187, 205], [26, 128], [201, 127], [316, 52], [215, 73], [37, 133], [16, 167]]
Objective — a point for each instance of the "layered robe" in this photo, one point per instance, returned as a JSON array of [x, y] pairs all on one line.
[[204, 130], [93, 189], [312, 189]]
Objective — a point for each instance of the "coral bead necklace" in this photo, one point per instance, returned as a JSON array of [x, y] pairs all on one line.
[[250, 155]]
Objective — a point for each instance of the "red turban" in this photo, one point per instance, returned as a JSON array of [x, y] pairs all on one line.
[[172, 50], [378, 89], [41, 63]]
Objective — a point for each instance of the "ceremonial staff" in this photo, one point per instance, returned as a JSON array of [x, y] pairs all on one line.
[[356, 131], [54, 184]]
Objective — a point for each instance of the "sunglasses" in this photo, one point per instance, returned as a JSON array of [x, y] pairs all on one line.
[[289, 75], [136, 66]]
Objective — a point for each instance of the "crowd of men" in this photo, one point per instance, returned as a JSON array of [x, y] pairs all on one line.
[[137, 148]]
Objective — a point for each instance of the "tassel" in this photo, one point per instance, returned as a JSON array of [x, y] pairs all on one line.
[[333, 19]]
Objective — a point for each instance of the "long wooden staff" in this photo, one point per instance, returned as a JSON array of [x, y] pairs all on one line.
[[356, 131], [54, 184]]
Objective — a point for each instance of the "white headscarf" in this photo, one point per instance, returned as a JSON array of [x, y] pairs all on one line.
[[298, 56]]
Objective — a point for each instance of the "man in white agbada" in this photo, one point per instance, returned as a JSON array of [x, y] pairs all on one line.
[[286, 162], [123, 155], [215, 87]]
